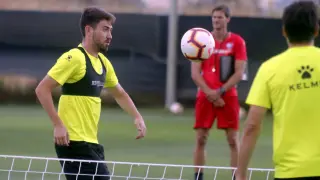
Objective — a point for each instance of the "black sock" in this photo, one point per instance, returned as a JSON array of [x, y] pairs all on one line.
[[198, 176]]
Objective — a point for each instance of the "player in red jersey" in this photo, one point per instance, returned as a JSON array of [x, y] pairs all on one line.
[[217, 99]]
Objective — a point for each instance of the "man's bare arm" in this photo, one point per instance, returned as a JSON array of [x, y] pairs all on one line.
[[126, 103], [239, 68], [44, 94], [250, 135], [197, 77]]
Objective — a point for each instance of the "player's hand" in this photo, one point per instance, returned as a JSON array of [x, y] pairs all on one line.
[[61, 136], [219, 102], [212, 95], [141, 127]]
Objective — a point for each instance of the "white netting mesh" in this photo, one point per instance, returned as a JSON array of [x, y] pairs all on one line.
[[39, 168]]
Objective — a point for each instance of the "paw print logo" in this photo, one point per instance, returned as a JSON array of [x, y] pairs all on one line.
[[69, 57], [305, 72]]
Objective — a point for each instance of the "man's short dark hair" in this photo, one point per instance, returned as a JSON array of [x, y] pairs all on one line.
[[300, 20], [92, 16], [225, 9]]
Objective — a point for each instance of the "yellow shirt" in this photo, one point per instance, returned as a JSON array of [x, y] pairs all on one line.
[[80, 114], [289, 84]]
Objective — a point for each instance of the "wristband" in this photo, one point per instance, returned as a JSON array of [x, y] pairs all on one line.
[[222, 90]]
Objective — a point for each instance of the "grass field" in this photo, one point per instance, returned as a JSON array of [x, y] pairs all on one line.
[[27, 131]]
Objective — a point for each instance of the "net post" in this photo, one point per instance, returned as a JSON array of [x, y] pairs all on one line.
[[96, 171], [45, 169], [113, 167], [79, 172], [62, 170], [130, 171], [164, 172], [181, 173], [250, 174], [268, 175], [11, 169], [215, 174], [147, 173], [29, 167]]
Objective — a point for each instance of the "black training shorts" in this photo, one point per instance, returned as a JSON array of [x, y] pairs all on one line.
[[84, 151]]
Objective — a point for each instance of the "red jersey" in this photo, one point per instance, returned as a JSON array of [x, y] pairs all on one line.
[[234, 46]]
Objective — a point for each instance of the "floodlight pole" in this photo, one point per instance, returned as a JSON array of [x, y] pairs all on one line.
[[171, 75]]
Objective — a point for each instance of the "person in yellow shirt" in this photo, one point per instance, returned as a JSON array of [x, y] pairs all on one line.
[[83, 72], [288, 84]]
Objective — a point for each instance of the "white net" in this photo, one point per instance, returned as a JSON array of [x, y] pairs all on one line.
[[40, 168]]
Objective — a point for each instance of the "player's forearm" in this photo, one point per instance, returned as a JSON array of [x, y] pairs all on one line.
[[247, 145], [199, 81], [233, 80], [45, 97], [126, 103]]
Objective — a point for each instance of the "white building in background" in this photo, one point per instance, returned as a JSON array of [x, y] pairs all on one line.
[[163, 6], [278, 4]]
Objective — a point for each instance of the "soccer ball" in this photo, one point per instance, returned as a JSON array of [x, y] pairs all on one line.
[[197, 44], [176, 108]]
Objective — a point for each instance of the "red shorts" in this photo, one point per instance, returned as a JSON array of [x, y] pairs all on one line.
[[227, 116]]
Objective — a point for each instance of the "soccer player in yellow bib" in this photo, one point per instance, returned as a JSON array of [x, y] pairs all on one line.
[[83, 72], [288, 84]]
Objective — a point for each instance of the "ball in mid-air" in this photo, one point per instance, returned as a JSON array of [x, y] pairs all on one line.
[[197, 44]]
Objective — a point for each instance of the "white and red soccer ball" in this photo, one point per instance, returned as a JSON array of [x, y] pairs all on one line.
[[197, 44], [176, 108]]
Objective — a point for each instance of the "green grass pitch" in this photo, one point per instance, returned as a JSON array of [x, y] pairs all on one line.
[[27, 131]]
